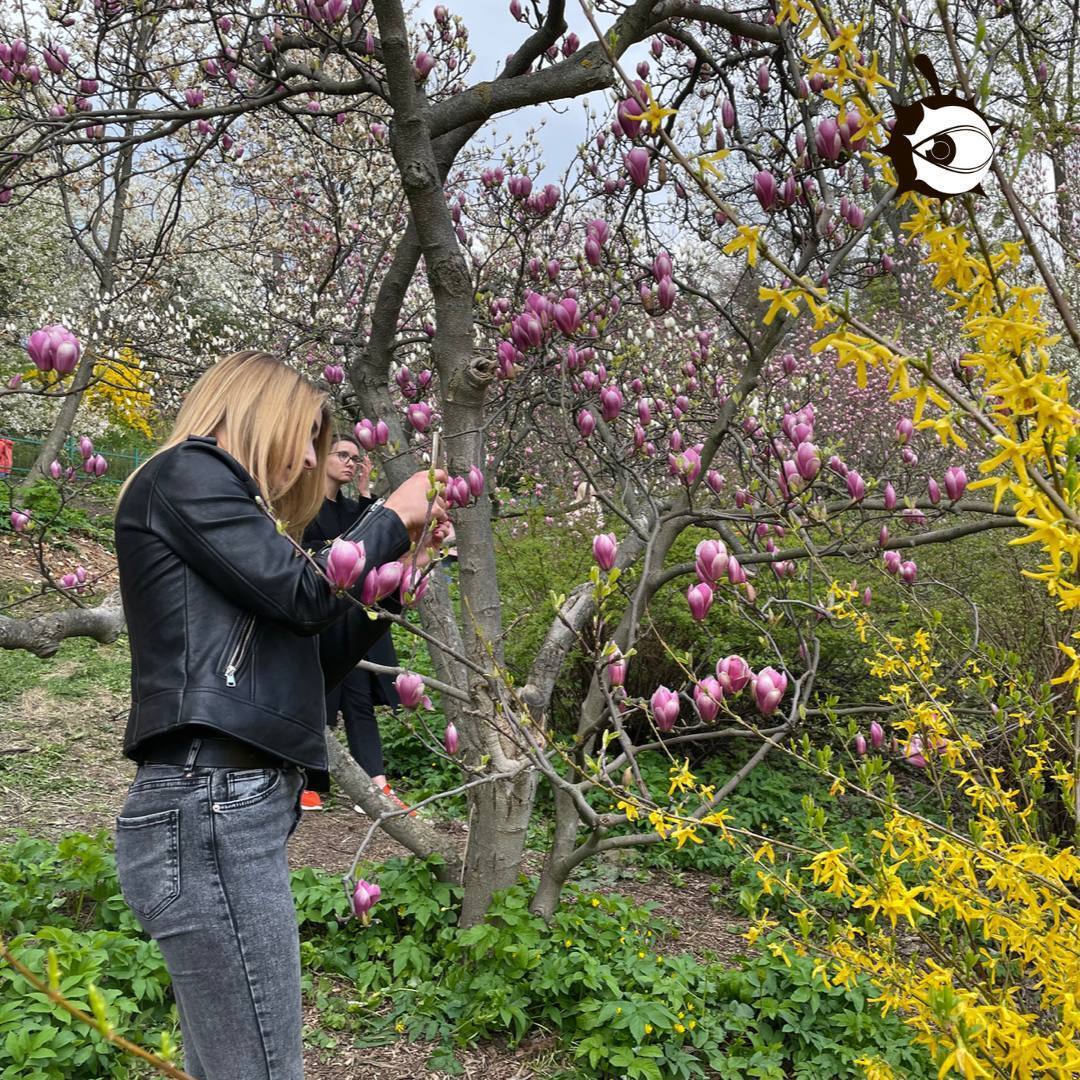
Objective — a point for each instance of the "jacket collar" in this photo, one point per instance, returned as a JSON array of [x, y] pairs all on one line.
[[212, 444]]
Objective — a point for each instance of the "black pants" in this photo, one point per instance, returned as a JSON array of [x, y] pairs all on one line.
[[354, 699]]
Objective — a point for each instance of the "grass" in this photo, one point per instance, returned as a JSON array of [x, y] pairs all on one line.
[[81, 669], [62, 724]]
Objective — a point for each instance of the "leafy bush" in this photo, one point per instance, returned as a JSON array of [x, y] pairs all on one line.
[[596, 975], [66, 898], [44, 503]]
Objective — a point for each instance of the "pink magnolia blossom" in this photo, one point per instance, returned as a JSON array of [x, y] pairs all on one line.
[[955, 482], [913, 752], [383, 581], [345, 563], [711, 560], [616, 670], [700, 598], [664, 704], [807, 461], [765, 189], [566, 316], [708, 694], [611, 402], [364, 897], [450, 739], [410, 689], [605, 548], [54, 348], [733, 673], [769, 687], [365, 434], [419, 415], [637, 166]]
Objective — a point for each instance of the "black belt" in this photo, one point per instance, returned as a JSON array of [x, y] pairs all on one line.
[[215, 752]]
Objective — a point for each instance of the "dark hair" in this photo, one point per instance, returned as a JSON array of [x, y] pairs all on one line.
[[344, 436]]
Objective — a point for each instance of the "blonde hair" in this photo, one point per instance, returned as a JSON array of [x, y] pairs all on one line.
[[266, 409]]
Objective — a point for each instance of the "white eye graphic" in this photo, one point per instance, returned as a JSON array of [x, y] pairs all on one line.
[[960, 149], [952, 149]]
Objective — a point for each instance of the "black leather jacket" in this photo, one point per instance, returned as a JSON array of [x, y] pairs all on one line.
[[223, 614], [332, 522]]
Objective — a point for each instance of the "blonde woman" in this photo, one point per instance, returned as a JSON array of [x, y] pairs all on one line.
[[223, 617]]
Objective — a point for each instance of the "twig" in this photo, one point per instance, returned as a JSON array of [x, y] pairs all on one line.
[[160, 1064]]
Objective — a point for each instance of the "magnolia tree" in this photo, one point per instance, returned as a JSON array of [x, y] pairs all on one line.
[[723, 316]]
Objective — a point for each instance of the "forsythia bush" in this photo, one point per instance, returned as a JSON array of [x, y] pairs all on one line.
[[969, 926]]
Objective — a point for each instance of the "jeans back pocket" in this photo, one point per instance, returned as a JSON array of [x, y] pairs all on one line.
[[148, 861]]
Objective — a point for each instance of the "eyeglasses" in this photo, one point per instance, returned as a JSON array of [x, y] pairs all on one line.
[[344, 456]]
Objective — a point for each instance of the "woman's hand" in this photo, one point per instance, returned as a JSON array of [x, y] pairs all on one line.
[[410, 502], [431, 545]]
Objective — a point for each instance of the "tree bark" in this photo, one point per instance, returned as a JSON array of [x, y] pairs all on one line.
[[411, 832], [500, 811], [44, 634], [499, 816]]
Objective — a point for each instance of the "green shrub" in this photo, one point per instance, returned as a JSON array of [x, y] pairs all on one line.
[[44, 503], [66, 898], [596, 976]]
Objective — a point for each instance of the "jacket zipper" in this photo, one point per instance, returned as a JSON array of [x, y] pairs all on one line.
[[238, 652]]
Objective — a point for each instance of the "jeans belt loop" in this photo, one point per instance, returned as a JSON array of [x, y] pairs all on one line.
[[193, 753]]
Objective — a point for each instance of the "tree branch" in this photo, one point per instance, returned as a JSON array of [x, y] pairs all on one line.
[[44, 634]]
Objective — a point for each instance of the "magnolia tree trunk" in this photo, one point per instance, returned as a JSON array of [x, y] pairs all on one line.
[[499, 815], [499, 810]]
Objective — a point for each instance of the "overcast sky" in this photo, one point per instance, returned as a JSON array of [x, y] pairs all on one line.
[[493, 34]]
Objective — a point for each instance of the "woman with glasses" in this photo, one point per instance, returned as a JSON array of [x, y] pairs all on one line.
[[361, 690]]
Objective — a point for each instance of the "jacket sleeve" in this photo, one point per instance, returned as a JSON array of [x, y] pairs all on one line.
[[206, 513], [343, 645]]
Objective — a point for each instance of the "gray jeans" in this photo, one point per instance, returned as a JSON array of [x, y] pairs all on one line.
[[202, 864]]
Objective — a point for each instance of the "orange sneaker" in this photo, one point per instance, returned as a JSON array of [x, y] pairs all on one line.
[[310, 800], [388, 791]]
